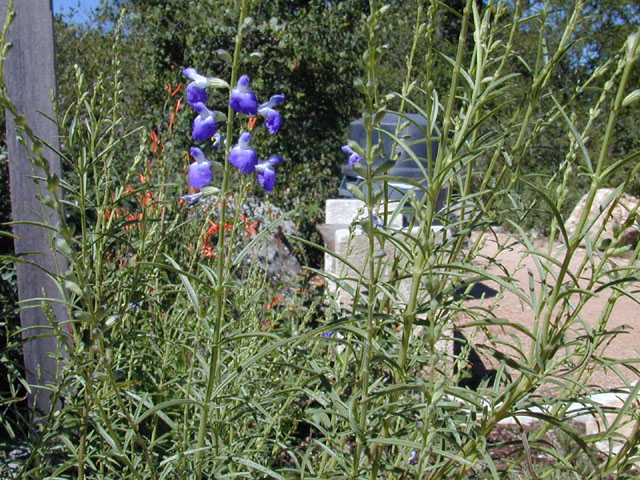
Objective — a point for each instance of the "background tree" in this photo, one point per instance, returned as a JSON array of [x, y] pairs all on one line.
[[311, 51]]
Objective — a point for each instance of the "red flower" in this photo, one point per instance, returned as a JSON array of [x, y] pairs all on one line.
[[177, 89], [212, 229], [250, 228], [174, 114], [274, 303], [156, 146], [207, 249], [148, 197]]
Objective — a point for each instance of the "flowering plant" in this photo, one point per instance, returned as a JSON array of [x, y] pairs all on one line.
[[175, 366], [242, 156]]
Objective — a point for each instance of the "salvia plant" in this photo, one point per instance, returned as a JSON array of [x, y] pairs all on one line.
[[180, 358]]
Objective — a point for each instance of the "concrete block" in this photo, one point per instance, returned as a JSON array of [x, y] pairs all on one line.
[[344, 211], [354, 248]]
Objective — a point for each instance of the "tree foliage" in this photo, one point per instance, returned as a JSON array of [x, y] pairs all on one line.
[[311, 52]]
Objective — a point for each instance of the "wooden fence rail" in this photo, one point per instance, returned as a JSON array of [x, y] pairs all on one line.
[[30, 77]]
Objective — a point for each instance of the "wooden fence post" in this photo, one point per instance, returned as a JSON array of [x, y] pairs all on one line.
[[30, 78]]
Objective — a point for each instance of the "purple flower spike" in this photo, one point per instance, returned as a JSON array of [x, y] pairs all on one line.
[[244, 100], [199, 171], [273, 116], [204, 125], [196, 92], [353, 156], [266, 173], [242, 156]]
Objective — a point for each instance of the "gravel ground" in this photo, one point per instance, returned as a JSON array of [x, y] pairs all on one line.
[[626, 313]]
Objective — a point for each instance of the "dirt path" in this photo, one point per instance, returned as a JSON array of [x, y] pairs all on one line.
[[516, 261]]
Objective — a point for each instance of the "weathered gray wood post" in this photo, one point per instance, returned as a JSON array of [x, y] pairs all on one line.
[[30, 77]]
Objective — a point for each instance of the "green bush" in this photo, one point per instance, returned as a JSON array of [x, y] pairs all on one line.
[[180, 359]]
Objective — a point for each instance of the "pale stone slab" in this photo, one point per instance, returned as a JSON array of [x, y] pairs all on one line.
[[354, 249], [594, 423], [344, 211], [599, 213]]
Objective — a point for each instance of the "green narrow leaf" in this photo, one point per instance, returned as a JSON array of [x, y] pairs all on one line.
[[255, 57], [356, 192], [463, 72], [631, 98], [258, 467], [191, 293], [577, 137], [554, 210], [400, 442], [217, 83], [353, 421], [224, 55], [74, 287], [566, 428], [158, 409]]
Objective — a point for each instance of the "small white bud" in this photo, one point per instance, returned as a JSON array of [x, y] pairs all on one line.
[[631, 98]]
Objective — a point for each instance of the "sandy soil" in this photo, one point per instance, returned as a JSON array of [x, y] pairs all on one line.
[[521, 265]]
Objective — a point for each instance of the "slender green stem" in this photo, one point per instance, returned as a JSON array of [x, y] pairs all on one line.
[[219, 289], [82, 448], [370, 276], [448, 114]]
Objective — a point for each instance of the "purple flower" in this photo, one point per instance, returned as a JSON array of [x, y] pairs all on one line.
[[327, 334], [218, 140], [273, 117], [199, 171], [196, 92], [353, 156], [244, 100], [204, 125], [376, 221], [243, 156], [192, 199], [266, 173]]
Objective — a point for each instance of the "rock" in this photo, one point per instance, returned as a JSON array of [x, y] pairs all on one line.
[[597, 414], [631, 238], [275, 253], [345, 235], [609, 403], [620, 216], [13, 462]]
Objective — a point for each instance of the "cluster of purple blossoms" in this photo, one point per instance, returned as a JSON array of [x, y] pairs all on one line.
[[353, 156], [244, 101], [242, 156]]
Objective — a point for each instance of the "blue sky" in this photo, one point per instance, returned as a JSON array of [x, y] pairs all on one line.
[[81, 7]]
